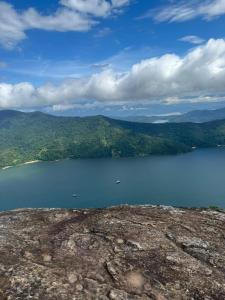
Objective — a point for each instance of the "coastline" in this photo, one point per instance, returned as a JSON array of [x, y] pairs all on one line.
[[36, 161], [31, 162], [22, 164], [7, 167]]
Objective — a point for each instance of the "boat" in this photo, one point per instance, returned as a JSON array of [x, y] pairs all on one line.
[[118, 181], [74, 195]]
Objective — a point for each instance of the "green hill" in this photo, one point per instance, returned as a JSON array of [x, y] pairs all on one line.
[[37, 136]]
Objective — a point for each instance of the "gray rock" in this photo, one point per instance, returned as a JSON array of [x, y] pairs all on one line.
[[127, 252]]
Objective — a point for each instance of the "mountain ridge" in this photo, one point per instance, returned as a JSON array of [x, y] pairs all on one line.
[[194, 116], [38, 136]]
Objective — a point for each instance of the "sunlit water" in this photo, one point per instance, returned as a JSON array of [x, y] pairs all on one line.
[[193, 179]]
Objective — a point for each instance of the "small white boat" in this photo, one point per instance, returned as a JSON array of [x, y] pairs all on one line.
[[118, 181], [74, 195]]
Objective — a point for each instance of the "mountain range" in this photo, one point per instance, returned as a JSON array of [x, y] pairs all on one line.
[[38, 136], [195, 116]]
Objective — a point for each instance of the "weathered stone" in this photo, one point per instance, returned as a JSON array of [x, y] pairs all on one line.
[[127, 252]]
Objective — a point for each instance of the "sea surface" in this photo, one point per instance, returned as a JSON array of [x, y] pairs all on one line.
[[195, 179]]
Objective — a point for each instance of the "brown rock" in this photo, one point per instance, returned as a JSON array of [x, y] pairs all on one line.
[[127, 252]]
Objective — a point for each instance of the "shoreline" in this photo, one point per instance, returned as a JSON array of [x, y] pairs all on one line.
[[31, 162], [37, 161], [22, 164]]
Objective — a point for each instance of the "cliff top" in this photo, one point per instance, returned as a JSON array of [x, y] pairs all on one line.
[[117, 253]]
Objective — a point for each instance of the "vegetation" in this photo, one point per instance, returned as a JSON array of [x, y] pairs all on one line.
[[37, 136]]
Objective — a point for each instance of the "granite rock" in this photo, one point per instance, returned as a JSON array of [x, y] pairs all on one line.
[[126, 252]]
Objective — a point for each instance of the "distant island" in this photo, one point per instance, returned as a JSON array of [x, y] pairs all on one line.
[[27, 137]]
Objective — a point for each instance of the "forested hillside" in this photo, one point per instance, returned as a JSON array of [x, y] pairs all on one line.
[[37, 136]]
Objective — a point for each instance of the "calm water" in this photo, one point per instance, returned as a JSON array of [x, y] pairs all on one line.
[[194, 179]]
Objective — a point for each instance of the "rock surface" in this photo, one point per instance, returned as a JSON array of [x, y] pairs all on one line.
[[117, 253]]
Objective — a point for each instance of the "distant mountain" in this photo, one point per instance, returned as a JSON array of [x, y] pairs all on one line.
[[200, 116], [195, 116], [37, 136]]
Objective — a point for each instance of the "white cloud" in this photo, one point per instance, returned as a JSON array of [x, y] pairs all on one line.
[[11, 26], [199, 75], [99, 8], [193, 39], [71, 15], [17, 95], [188, 10], [198, 99], [61, 20]]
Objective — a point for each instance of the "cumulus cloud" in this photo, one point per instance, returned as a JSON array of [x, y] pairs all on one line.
[[193, 39], [188, 10], [199, 75], [71, 15]]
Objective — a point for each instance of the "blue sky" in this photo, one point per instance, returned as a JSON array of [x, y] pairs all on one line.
[[116, 57]]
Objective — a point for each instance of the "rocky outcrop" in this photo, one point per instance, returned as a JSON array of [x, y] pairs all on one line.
[[117, 253]]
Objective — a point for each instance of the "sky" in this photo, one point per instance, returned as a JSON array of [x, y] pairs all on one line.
[[112, 57]]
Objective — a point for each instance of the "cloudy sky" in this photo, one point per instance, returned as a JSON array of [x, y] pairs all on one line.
[[113, 57]]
